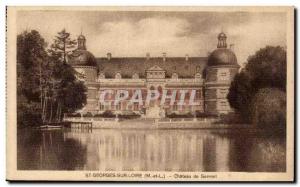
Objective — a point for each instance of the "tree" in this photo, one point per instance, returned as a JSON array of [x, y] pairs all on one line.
[[47, 86], [67, 93], [32, 60], [62, 46], [266, 68]]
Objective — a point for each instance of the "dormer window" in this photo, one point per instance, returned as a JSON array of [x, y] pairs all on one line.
[[198, 76], [118, 76], [135, 76], [174, 76], [101, 76]]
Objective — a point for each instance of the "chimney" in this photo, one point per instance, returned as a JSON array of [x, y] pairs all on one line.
[[148, 56], [186, 57], [231, 47], [108, 56], [164, 56]]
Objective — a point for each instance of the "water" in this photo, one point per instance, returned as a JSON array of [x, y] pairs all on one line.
[[150, 150]]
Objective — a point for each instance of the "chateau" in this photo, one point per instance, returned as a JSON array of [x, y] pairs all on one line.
[[206, 79]]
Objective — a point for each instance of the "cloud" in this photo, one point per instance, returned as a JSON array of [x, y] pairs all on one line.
[[176, 33], [154, 35], [258, 32]]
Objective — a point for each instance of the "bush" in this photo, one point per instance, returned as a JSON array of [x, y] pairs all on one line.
[[88, 114], [174, 115], [106, 114], [205, 115], [230, 118], [129, 116], [73, 115], [269, 108], [29, 115], [265, 69]]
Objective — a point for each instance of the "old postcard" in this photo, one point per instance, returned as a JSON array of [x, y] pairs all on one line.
[[150, 93]]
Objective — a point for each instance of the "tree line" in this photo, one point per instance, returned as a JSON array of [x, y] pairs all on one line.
[[258, 91], [46, 83]]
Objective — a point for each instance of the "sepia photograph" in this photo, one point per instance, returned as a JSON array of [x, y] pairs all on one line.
[[150, 93]]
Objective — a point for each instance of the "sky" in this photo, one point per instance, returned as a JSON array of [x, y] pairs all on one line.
[[135, 33]]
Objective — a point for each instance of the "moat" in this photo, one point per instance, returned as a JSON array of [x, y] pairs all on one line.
[[150, 150]]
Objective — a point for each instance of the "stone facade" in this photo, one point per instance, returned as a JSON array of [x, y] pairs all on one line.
[[209, 77]]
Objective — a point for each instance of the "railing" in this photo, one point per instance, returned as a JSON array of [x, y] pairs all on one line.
[[180, 120], [89, 119]]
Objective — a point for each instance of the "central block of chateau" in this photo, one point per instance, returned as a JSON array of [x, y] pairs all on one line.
[[205, 80]]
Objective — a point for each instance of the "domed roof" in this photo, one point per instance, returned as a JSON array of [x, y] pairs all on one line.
[[82, 58], [222, 35], [222, 56]]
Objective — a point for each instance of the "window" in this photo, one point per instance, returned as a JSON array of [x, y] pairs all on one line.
[[223, 103], [198, 94], [135, 76], [118, 106], [174, 76], [223, 92], [135, 106], [118, 76], [198, 76], [101, 76], [223, 74], [101, 106], [175, 106]]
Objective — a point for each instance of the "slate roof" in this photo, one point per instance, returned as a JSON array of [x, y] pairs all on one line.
[[127, 66], [222, 56], [82, 58]]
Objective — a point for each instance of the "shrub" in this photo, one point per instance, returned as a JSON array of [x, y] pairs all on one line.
[[205, 115], [88, 114], [106, 114], [129, 116], [174, 115], [268, 108], [265, 69], [230, 118], [73, 115]]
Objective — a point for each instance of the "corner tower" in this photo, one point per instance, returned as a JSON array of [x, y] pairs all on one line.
[[221, 68], [86, 69]]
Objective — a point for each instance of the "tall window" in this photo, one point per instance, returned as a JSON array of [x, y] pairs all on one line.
[[223, 74], [175, 106], [135, 106], [223, 92], [118, 106], [198, 94], [101, 106]]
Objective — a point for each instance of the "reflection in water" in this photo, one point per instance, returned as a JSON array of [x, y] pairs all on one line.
[[149, 150]]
